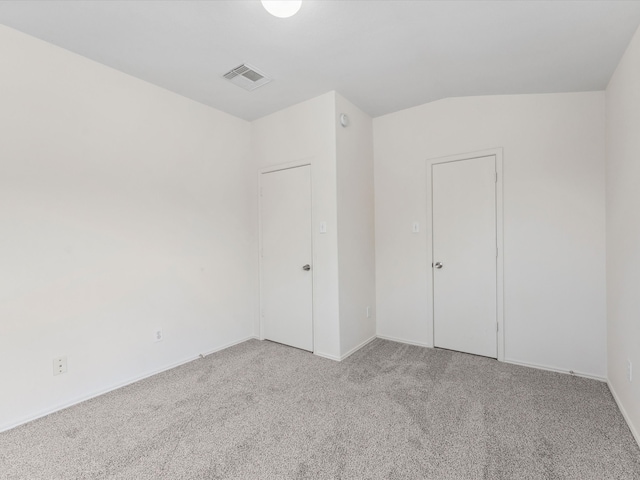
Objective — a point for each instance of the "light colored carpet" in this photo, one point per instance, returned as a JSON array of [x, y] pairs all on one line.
[[260, 410]]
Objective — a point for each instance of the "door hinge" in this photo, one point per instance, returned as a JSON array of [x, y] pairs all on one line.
[[496, 252], [496, 177], [497, 327]]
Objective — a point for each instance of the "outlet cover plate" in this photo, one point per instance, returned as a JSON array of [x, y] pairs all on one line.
[[59, 365]]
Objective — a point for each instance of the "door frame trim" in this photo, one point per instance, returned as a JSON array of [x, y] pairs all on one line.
[[498, 152], [272, 169]]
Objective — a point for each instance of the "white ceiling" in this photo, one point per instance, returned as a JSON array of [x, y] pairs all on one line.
[[382, 55]]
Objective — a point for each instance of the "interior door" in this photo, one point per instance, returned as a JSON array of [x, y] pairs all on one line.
[[464, 255], [286, 257]]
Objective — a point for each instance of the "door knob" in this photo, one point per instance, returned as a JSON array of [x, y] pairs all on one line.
[[307, 267], [438, 265]]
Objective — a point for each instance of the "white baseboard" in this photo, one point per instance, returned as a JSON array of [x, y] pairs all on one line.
[[223, 347], [402, 340], [357, 347], [506, 360], [102, 391], [556, 369], [335, 358], [634, 432]]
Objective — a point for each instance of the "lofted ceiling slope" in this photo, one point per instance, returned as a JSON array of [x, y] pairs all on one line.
[[382, 55]]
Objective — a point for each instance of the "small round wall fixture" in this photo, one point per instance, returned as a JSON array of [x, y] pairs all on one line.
[[344, 120], [282, 8]]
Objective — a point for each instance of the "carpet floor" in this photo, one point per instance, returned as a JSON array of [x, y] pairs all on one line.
[[260, 410]]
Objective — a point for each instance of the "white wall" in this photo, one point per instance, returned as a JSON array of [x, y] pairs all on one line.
[[623, 232], [356, 247], [306, 132], [554, 219], [123, 208]]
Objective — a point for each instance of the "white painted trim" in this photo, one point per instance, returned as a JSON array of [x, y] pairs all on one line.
[[357, 347], [500, 260], [303, 162], [498, 153], [556, 369], [402, 340], [327, 355], [350, 352], [507, 360], [271, 169], [634, 432], [116, 386]]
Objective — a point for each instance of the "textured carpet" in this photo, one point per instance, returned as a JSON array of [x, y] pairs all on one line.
[[260, 410]]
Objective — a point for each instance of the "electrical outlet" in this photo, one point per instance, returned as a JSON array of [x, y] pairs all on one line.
[[157, 336], [368, 312], [59, 365], [629, 370]]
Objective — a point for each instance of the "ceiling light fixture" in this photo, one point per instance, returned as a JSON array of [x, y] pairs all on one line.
[[282, 8]]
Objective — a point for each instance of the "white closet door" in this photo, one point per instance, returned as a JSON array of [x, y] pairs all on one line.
[[464, 255], [286, 257]]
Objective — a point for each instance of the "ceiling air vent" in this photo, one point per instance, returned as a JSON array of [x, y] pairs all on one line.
[[247, 77]]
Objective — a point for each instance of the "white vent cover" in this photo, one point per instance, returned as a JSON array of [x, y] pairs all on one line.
[[247, 77]]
